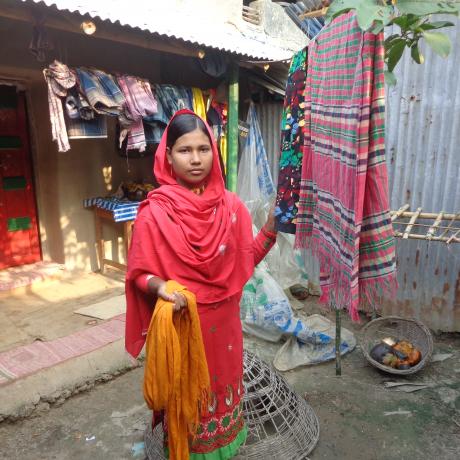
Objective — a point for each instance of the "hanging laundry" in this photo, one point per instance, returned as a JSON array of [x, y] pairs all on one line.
[[104, 95], [59, 79], [77, 106], [223, 151], [292, 138], [199, 106], [79, 128], [82, 122], [170, 99], [343, 213], [140, 103]]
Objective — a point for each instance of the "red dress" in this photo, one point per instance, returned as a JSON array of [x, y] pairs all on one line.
[[205, 243]]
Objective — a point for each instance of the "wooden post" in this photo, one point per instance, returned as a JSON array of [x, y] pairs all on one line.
[[338, 341], [99, 239], [232, 128]]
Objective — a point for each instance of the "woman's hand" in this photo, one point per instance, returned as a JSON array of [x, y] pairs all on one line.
[[270, 224], [157, 286]]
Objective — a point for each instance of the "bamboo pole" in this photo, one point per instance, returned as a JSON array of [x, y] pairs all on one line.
[[428, 215], [411, 223], [432, 230], [232, 128], [454, 237], [314, 14], [338, 341], [446, 231], [424, 237], [399, 212]]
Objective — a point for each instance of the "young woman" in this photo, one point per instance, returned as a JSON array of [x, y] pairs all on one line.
[[195, 232]]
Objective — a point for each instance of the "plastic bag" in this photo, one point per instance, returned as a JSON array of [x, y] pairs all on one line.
[[255, 185], [295, 353], [267, 313], [256, 190]]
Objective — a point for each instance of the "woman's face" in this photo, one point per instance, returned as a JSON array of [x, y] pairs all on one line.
[[191, 158]]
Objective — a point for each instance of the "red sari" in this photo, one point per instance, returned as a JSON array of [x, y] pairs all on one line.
[[205, 243]]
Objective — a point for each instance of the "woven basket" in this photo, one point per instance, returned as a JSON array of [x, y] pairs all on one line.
[[281, 424], [401, 329]]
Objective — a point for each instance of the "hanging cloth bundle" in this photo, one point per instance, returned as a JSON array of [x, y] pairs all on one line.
[[140, 103], [176, 372], [59, 79], [292, 139], [343, 213]]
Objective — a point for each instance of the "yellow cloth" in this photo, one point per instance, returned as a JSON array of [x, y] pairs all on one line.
[[176, 376], [223, 150], [198, 103]]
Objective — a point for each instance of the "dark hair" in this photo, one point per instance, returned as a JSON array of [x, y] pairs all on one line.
[[183, 124]]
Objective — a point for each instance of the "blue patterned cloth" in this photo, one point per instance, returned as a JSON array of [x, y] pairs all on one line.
[[103, 94], [122, 210], [263, 168], [170, 99]]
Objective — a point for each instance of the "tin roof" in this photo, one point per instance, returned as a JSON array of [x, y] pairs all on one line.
[[190, 25]]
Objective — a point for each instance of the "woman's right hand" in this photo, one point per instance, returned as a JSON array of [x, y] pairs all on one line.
[[158, 287]]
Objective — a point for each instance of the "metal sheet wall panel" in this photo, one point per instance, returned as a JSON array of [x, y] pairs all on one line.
[[269, 114], [423, 154]]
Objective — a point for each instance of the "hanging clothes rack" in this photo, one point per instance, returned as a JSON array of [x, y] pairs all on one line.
[[441, 227]]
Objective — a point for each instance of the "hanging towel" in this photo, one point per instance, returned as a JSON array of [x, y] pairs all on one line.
[[176, 377], [104, 95], [140, 103], [198, 103], [79, 128], [77, 106], [292, 138], [343, 211], [82, 122], [170, 99], [59, 79]]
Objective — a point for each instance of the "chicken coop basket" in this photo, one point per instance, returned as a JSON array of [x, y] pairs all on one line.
[[281, 424]]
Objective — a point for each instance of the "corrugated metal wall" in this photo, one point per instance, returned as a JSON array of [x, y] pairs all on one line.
[[269, 114], [423, 153]]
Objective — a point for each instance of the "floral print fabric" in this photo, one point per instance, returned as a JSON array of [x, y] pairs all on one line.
[[292, 139]]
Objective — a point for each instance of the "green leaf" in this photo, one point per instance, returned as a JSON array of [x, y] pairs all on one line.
[[395, 52], [424, 7], [389, 39], [339, 7], [405, 21], [436, 25], [370, 12], [417, 56], [390, 78], [439, 42], [367, 11]]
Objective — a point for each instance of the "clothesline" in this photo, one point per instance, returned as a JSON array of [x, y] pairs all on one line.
[[143, 109]]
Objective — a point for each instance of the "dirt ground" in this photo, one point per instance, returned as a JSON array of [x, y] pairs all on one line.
[[359, 418], [45, 312]]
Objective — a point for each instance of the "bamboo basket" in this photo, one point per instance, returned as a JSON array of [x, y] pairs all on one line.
[[401, 329]]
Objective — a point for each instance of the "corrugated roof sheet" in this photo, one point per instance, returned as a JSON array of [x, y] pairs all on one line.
[[189, 25]]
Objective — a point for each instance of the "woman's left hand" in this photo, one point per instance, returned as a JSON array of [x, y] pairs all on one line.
[[180, 301], [270, 224]]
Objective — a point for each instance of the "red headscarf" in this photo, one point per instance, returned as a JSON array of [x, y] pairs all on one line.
[[201, 241]]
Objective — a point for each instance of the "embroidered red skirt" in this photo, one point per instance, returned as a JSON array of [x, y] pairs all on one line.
[[221, 430]]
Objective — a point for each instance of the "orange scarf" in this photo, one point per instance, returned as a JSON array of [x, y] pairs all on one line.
[[176, 374]]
